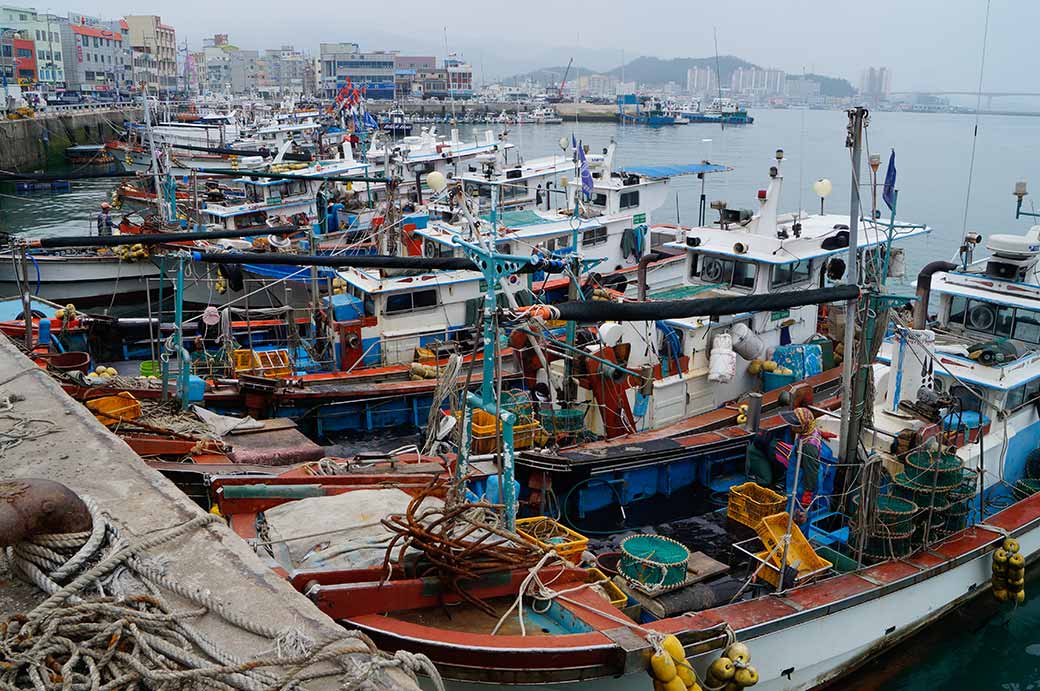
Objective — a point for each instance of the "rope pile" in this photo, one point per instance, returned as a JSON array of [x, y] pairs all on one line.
[[459, 543], [106, 625]]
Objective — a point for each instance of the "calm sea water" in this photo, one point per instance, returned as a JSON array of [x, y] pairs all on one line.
[[978, 647]]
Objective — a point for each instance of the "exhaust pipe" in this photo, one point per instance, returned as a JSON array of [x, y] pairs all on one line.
[[644, 263], [32, 507], [924, 289]]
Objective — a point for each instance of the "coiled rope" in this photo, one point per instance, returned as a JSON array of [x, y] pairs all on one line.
[[106, 625]]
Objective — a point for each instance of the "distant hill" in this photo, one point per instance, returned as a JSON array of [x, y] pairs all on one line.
[[832, 86], [551, 75], [649, 70]]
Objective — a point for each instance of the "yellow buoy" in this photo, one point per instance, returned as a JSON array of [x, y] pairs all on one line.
[[662, 666], [739, 653], [1000, 594], [674, 647], [1020, 596], [745, 677], [1015, 561], [722, 669], [675, 684], [685, 672], [1011, 545]]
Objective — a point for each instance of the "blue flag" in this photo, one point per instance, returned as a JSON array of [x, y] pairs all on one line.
[[370, 122], [586, 174], [888, 193], [574, 142]]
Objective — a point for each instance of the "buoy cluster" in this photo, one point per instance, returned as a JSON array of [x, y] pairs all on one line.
[[732, 670], [670, 670], [132, 252], [757, 366], [742, 413], [66, 313], [1009, 573], [339, 286]]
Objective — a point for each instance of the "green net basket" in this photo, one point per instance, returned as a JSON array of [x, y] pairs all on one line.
[[934, 471], [653, 561]]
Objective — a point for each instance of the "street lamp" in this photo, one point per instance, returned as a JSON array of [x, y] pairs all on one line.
[[822, 188]]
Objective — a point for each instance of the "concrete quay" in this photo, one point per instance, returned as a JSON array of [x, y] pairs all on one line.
[[84, 456]]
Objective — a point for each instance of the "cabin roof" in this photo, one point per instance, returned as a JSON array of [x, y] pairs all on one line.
[[768, 249]]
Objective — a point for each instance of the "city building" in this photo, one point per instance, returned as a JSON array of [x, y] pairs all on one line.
[[372, 73], [45, 32], [875, 83], [214, 64], [701, 81], [24, 50], [802, 89], [757, 82], [94, 56], [244, 71], [460, 77], [148, 35], [288, 72]]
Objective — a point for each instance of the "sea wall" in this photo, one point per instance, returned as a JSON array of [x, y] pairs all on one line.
[[30, 143]]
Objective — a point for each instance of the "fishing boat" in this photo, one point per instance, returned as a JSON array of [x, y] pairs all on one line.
[[790, 592], [721, 110], [396, 123], [651, 112]]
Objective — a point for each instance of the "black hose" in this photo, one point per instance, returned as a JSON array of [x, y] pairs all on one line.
[[242, 152], [156, 238], [366, 261], [599, 311]]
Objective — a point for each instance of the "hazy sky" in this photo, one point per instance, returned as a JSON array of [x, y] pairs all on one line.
[[927, 43]]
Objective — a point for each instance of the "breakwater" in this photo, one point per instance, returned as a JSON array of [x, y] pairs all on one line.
[[32, 143]]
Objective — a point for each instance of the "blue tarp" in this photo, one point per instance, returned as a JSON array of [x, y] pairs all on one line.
[[669, 171]]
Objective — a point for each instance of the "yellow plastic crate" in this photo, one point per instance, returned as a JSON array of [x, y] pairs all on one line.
[[749, 503], [771, 531], [548, 534], [484, 432], [273, 364], [616, 596]]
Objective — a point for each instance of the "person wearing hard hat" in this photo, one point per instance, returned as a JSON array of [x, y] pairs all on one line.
[[104, 220]]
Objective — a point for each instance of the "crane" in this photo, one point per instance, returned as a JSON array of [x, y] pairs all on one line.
[[563, 83]]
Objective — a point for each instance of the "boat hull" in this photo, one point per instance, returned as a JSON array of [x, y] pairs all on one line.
[[809, 637], [85, 281]]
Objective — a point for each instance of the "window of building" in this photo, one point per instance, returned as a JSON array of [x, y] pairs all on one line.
[[728, 272], [57, 56], [39, 35], [5, 51], [413, 301], [594, 236], [629, 199]]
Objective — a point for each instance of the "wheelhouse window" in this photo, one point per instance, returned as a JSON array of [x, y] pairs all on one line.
[[594, 236], [629, 199], [599, 199], [1005, 321], [789, 274], [413, 301], [728, 272]]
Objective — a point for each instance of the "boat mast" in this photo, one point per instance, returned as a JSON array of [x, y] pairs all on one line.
[[850, 431]]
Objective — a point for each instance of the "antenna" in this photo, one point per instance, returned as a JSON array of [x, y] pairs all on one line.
[[447, 73], [975, 133], [718, 74]]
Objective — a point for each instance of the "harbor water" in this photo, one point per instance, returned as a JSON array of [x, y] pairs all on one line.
[[978, 647]]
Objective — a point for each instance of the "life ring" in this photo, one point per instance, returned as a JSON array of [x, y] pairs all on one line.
[[279, 243]]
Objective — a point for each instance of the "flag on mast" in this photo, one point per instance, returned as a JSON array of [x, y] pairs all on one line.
[[586, 174], [888, 192]]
